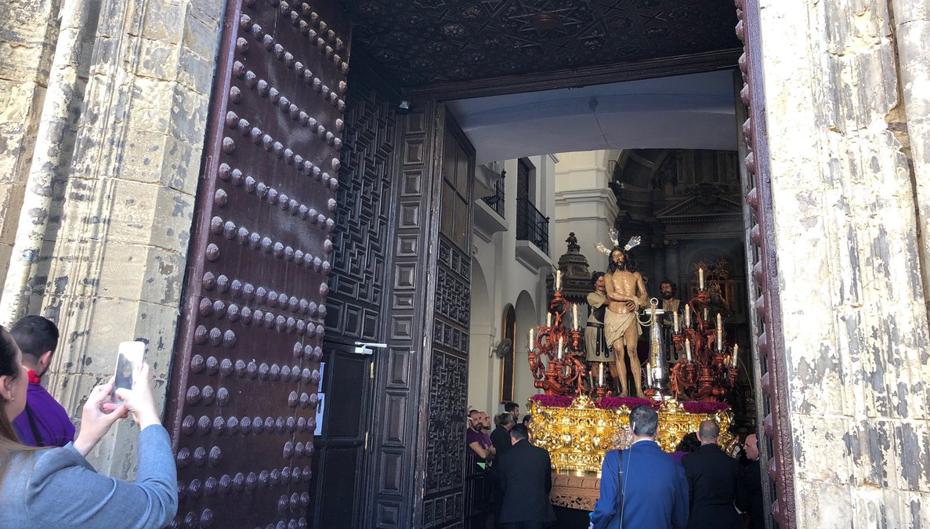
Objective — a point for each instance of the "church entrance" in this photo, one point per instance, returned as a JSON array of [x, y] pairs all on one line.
[[359, 420]]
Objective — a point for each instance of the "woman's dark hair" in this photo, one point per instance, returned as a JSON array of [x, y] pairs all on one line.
[[594, 277], [689, 443], [9, 367]]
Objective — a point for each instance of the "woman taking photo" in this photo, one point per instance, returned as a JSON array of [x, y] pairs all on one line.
[[57, 487]]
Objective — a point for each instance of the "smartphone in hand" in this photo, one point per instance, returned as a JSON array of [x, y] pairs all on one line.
[[128, 362]]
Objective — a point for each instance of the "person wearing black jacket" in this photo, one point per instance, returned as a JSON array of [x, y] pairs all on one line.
[[526, 480], [500, 437], [712, 480], [749, 497]]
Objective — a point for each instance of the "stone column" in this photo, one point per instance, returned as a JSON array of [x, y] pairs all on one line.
[[583, 202], [116, 268], [30, 29], [910, 119], [851, 295]]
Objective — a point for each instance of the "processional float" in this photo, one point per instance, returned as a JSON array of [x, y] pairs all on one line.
[[579, 417]]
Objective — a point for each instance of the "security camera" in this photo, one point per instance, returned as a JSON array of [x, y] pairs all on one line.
[[363, 348]]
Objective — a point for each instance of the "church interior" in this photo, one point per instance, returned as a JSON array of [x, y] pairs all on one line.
[[655, 160]]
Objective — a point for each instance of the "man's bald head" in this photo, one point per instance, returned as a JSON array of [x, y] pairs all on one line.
[[709, 432]]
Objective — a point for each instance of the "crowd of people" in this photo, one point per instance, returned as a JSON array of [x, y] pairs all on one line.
[[47, 482], [45, 478], [698, 486]]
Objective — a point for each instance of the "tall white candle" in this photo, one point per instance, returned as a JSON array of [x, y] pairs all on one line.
[[688, 349], [558, 280], [719, 333], [735, 354], [600, 374], [575, 316], [706, 315], [561, 343], [675, 321], [687, 316], [532, 343], [700, 278], [548, 319]]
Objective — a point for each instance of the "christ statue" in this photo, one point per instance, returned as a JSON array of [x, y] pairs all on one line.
[[626, 293]]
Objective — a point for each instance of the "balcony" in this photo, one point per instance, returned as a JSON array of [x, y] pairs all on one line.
[[489, 211], [532, 235], [495, 201]]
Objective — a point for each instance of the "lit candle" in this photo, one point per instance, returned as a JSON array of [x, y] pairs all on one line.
[[719, 333], [688, 349], [575, 316], [532, 343], [600, 374], [700, 279], [561, 343], [548, 319], [675, 321], [687, 316], [558, 280], [735, 354]]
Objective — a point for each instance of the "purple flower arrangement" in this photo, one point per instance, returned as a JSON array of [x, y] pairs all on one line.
[[610, 403]]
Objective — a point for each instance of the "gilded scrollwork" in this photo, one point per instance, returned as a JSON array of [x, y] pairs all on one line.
[[578, 436]]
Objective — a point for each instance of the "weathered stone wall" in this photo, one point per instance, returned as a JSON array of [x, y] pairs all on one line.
[[27, 41], [113, 264], [912, 34], [852, 296]]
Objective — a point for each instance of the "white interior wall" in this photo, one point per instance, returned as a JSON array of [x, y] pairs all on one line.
[[583, 202], [507, 280]]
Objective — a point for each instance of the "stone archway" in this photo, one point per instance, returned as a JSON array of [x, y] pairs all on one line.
[[482, 366], [527, 318]]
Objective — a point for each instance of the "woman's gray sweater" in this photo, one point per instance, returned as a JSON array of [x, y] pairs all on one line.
[[57, 488]]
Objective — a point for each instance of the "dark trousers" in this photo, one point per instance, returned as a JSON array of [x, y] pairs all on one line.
[[523, 525]]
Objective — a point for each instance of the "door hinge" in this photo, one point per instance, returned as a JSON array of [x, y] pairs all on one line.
[[366, 441], [371, 370]]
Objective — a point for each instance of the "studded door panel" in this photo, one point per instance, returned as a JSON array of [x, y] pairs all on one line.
[[775, 440], [242, 396]]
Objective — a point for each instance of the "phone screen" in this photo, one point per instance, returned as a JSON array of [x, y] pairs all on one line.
[[128, 361]]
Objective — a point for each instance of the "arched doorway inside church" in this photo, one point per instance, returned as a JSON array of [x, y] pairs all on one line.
[[392, 260]]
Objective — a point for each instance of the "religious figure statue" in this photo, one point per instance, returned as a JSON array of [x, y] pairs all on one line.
[[626, 293], [671, 305], [595, 345]]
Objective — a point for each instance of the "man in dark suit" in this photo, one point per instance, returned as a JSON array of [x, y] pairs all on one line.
[[749, 495], [526, 479], [500, 437], [642, 487], [712, 478]]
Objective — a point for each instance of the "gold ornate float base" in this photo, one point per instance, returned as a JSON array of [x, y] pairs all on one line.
[[577, 437]]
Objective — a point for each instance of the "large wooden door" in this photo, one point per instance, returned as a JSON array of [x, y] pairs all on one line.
[[770, 370], [243, 390], [362, 240], [443, 450], [417, 441]]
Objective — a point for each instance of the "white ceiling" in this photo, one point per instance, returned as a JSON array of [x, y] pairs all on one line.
[[683, 112]]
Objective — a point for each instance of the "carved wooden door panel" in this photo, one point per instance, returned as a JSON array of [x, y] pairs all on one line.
[[417, 449], [242, 396], [362, 241], [446, 392], [775, 442]]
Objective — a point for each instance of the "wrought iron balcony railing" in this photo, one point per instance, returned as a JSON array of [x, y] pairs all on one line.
[[496, 201], [532, 225]]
